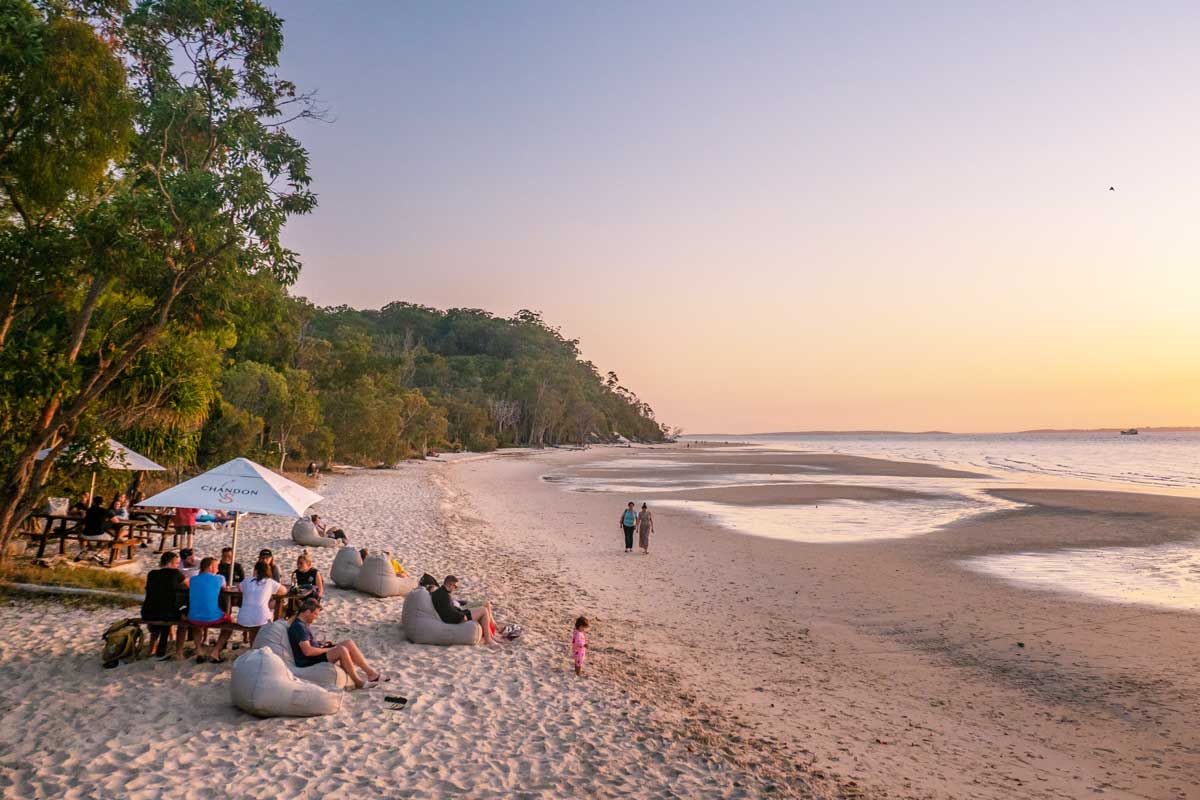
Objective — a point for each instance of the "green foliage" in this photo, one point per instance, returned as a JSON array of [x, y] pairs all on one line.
[[65, 109], [145, 177], [229, 433], [146, 173]]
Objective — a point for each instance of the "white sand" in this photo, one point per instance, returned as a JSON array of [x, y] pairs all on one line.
[[886, 662], [508, 721]]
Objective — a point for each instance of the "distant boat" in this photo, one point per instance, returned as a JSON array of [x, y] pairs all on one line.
[[1129, 432]]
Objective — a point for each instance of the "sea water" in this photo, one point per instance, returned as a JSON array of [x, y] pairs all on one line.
[[1152, 462]]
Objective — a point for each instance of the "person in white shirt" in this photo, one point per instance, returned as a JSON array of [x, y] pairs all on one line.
[[189, 565], [256, 598]]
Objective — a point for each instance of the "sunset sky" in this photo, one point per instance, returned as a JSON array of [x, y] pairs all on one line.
[[781, 216]]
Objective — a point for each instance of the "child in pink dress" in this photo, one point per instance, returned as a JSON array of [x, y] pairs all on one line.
[[579, 644]]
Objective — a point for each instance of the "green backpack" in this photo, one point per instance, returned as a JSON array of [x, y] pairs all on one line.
[[122, 640]]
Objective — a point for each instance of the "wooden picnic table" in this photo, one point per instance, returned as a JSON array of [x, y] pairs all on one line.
[[282, 605], [71, 527]]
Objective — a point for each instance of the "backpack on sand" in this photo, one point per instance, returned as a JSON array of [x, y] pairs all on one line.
[[123, 639]]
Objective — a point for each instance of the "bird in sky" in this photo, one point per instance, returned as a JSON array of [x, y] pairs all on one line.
[[1112, 188]]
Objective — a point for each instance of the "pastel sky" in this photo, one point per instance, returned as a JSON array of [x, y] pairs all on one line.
[[781, 216]]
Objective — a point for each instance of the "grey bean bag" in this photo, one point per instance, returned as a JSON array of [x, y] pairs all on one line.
[[378, 578], [423, 626], [263, 685], [346, 565], [305, 533], [273, 636]]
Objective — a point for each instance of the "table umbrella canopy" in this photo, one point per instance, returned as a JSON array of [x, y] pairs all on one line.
[[239, 485], [119, 457]]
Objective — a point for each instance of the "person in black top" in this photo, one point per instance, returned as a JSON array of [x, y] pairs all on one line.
[[166, 595], [306, 650], [224, 564], [95, 521], [306, 580], [80, 506], [451, 613]]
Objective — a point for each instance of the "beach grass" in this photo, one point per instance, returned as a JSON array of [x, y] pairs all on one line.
[[78, 601], [74, 577]]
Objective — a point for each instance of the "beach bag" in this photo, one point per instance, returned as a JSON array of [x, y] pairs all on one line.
[[122, 640]]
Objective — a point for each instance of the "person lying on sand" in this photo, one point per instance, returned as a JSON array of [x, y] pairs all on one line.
[[307, 651]]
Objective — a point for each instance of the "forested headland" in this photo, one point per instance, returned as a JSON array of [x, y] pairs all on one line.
[[149, 162], [378, 386]]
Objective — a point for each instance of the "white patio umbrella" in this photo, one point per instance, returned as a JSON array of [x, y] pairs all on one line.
[[119, 457], [239, 485]]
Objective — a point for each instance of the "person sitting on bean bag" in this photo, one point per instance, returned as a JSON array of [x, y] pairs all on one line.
[[307, 651], [327, 532], [451, 614]]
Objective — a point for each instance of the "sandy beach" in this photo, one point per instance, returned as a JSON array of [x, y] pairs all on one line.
[[499, 722], [888, 663], [722, 665]]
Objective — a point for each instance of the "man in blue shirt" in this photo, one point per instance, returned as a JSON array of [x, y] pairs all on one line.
[[628, 520], [307, 651], [204, 610]]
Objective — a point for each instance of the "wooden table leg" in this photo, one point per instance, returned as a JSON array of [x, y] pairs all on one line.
[[45, 535]]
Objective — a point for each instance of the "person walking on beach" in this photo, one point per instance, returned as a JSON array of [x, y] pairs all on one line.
[[628, 521], [579, 644], [645, 525]]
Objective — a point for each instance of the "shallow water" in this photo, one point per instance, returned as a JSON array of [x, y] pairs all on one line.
[[1166, 575], [1163, 463], [1160, 460], [842, 521]]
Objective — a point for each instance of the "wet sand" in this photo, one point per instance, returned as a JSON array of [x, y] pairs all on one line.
[[886, 663], [790, 494]]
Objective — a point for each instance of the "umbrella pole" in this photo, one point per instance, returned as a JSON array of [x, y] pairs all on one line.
[[237, 518]]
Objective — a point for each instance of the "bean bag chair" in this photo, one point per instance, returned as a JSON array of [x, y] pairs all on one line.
[[422, 625], [346, 565], [378, 578], [264, 686], [273, 636], [305, 533]]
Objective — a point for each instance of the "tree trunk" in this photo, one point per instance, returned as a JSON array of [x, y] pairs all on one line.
[[24, 481], [9, 313]]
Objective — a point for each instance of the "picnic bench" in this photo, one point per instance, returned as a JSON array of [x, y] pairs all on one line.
[[124, 535], [230, 598]]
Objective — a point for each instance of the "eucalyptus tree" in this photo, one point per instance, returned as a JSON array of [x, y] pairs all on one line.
[[161, 235]]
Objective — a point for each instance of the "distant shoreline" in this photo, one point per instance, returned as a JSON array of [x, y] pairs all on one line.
[[1174, 429]]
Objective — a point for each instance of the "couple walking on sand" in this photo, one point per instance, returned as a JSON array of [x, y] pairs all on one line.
[[644, 523]]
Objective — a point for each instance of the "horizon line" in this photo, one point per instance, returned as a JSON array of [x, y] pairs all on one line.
[[861, 432]]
